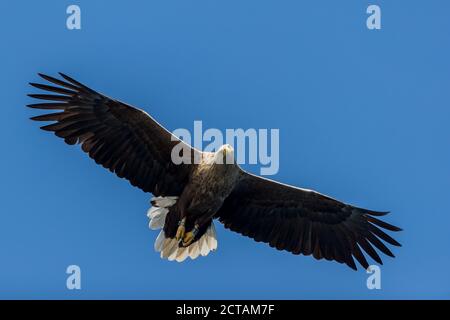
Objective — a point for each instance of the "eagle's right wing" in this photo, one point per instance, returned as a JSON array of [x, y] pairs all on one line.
[[304, 222], [121, 138]]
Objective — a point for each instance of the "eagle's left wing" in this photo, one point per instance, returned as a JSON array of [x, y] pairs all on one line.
[[121, 138], [304, 222]]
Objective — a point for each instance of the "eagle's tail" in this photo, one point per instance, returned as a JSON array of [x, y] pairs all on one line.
[[168, 247]]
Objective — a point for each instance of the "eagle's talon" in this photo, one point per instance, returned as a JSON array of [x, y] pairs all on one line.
[[180, 232], [190, 236], [181, 229]]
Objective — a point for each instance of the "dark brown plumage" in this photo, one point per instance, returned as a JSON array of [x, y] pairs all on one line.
[[130, 143], [304, 222], [121, 138]]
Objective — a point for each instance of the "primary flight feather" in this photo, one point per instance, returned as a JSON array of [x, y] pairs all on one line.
[[189, 196]]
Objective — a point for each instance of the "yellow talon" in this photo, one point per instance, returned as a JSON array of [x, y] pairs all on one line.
[[180, 232], [187, 239], [190, 236]]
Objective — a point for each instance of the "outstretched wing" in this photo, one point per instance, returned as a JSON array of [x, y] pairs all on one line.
[[305, 222], [121, 138]]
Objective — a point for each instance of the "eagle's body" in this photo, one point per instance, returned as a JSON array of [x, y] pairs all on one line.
[[189, 196], [210, 183]]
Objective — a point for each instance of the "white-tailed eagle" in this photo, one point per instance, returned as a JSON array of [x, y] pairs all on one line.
[[188, 197]]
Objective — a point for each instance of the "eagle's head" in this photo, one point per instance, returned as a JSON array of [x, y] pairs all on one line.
[[225, 155]]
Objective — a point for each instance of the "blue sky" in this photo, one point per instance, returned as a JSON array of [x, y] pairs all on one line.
[[363, 116]]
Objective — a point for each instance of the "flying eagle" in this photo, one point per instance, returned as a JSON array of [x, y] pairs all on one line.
[[189, 196]]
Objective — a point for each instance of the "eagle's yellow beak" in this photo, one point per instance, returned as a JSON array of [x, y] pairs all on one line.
[[227, 149]]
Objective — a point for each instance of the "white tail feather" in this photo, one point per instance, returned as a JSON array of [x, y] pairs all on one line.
[[164, 202], [182, 254], [204, 249], [168, 247], [194, 250], [157, 217], [160, 241]]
